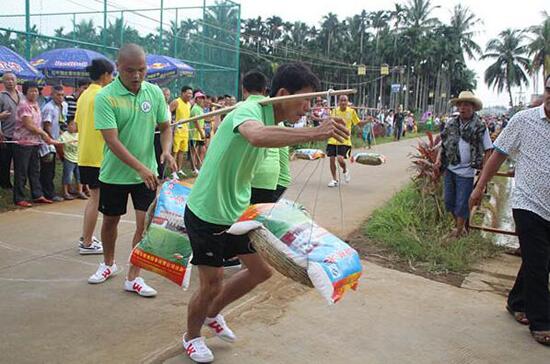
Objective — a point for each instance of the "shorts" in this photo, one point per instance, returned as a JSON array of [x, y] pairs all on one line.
[[211, 244], [181, 142], [457, 192], [262, 195], [341, 150], [89, 176], [196, 143], [279, 192], [70, 169], [113, 199]]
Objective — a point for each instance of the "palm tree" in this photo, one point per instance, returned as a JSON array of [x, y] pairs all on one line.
[[539, 48], [510, 65], [463, 23]]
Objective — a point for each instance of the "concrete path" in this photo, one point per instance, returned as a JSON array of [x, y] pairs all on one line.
[[50, 314]]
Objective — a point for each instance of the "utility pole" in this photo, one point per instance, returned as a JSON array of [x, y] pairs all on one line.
[[28, 29]]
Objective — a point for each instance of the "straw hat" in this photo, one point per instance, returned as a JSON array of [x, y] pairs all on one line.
[[468, 96]]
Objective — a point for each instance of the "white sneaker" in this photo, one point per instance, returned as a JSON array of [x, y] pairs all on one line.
[[347, 176], [197, 350], [95, 248], [333, 183], [103, 273], [139, 286], [219, 328]]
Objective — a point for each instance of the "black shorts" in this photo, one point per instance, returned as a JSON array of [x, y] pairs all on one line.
[[196, 143], [113, 199], [279, 192], [262, 195], [89, 176], [341, 150], [211, 244]]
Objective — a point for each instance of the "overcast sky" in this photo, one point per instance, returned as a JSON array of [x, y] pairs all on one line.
[[496, 16]]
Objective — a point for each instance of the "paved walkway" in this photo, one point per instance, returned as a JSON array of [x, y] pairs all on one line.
[[51, 315]]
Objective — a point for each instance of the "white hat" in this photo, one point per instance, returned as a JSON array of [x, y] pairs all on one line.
[[468, 96]]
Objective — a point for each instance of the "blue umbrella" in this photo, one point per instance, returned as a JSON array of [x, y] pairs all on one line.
[[65, 63], [163, 68], [11, 61]]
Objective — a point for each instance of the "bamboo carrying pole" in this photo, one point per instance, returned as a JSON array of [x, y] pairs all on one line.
[[269, 101]]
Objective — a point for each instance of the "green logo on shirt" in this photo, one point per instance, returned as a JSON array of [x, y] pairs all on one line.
[[145, 106]]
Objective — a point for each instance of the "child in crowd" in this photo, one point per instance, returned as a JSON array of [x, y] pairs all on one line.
[[70, 160]]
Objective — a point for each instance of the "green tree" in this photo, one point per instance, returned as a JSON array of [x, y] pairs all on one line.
[[539, 47], [510, 66]]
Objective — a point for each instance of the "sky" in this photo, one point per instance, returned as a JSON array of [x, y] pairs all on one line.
[[495, 15]]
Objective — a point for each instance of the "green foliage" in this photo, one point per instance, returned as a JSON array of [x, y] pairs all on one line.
[[410, 226]]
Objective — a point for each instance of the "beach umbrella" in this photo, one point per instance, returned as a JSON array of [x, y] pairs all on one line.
[[65, 63], [161, 69], [11, 61]]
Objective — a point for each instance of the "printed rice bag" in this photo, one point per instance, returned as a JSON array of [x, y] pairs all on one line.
[[371, 159], [309, 154], [165, 248], [332, 265]]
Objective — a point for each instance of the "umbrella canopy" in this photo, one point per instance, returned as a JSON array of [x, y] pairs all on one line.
[[11, 61], [65, 63], [163, 68]]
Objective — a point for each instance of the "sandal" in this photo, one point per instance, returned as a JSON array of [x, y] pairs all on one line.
[[519, 316], [542, 337]]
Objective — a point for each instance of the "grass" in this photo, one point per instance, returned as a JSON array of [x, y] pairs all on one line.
[[409, 227]]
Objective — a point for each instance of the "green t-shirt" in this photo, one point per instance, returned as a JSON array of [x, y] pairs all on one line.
[[221, 193], [70, 146], [267, 172], [135, 117], [284, 164], [194, 134]]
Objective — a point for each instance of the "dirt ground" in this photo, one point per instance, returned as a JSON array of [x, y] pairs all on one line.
[[49, 314]]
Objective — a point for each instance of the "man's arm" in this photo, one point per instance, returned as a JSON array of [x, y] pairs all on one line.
[[115, 145], [174, 106], [263, 136], [489, 170], [166, 144]]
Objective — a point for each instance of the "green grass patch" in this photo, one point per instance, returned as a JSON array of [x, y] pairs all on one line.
[[409, 226]]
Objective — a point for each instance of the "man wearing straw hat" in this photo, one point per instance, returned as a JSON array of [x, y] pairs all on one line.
[[221, 194], [465, 146]]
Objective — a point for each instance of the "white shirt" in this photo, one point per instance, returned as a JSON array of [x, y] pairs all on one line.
[[527, 140]]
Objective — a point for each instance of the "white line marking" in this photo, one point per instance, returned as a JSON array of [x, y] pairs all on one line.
[[72, 215]]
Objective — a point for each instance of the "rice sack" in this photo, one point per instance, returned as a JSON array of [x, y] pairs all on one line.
[[309, 154], [165, 248], [370, 159], [332, 265]]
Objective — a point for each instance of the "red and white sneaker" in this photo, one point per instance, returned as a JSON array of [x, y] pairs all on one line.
[[219, 328], [103, 273], [197, 350], [139, 286]]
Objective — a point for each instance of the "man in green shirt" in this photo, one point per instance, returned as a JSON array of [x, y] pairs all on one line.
[[127, 112], [221, 194]]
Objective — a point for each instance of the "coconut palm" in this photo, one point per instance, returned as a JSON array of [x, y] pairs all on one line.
[[509, 69], [539, 48]]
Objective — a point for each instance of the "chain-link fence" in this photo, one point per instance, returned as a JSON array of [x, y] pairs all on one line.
[[204, 35]]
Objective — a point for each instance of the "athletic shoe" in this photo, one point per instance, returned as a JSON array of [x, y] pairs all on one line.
[[95, 247], [103, 273], [333, 183], [347, 176], [82, 196], [57, 199], [197, 350], [139, 286], [68, 197], [43, 200], [24, 204], [219, 328], [232, 263]]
